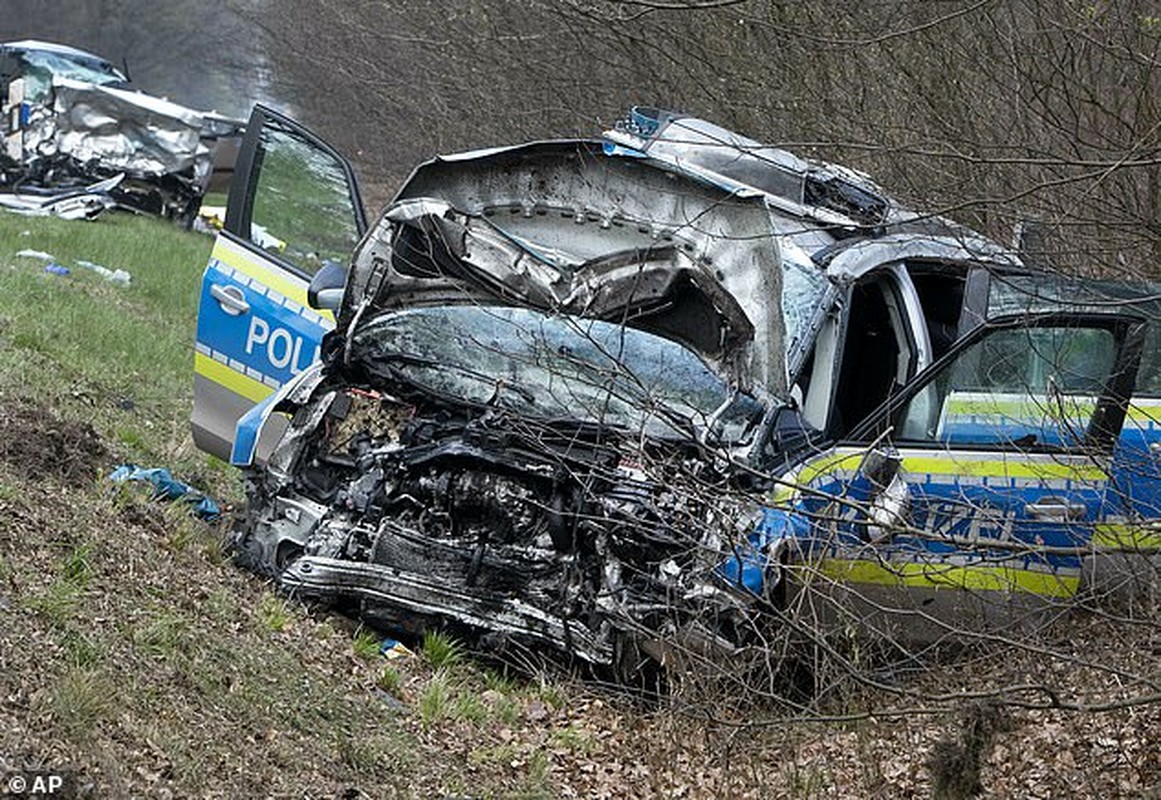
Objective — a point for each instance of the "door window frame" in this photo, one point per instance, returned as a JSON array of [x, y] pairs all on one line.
[[1112, 403], [240, 205], [889, 281]]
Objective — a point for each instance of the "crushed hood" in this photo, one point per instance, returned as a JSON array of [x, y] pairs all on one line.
[[564, 227]]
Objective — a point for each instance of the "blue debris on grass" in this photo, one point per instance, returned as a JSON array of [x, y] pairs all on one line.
[[168, 488]]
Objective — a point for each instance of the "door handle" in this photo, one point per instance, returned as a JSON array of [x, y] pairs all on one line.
[[230, 298], [1055, 509]]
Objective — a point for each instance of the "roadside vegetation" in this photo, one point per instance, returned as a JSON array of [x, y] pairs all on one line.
[[134, 655]]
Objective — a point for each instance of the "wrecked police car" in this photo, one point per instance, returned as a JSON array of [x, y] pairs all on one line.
[[552, 366], [983, 448], [605, 397], [72, 119], [1016, 473]]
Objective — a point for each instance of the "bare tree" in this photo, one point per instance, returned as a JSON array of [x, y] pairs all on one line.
[[991, 112]]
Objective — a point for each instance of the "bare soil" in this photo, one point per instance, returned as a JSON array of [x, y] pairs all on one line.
[[44, 446]]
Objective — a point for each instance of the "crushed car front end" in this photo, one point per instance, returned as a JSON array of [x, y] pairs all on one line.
[[534, 477], [534, 422]]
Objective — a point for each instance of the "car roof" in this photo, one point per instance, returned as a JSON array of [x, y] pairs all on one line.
[[830, 193], [75, 53]]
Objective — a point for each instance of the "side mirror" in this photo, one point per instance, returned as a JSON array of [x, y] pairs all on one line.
[[889, 507], [325, 292], [784, 433], [880, 466]]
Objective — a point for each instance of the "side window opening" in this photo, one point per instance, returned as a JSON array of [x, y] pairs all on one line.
[[1149, 380], [877, 356], [941, 294], [1015, 387], [303, 209]]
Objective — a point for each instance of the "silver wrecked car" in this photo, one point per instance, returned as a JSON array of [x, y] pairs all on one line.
[[71, 118]]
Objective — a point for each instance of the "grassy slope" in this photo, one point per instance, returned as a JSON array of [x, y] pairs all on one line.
[[86, 333], [132, 653], [130, 650]]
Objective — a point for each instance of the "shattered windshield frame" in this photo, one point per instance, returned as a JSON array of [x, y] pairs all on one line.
[[804, 290], [557, 368], [42, 67]]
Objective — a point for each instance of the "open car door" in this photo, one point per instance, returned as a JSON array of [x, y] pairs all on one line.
[[981, 486], [294, 205]]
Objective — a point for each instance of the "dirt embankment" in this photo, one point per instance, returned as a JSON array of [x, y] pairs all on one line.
[[37, 443], [138, 661]]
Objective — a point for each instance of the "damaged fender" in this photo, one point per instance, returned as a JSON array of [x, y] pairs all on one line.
[[253, 423]]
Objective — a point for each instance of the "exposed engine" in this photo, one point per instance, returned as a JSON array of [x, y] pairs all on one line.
[[530, 532]]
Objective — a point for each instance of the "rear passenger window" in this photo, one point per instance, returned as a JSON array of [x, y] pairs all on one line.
[[1149, 376]]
